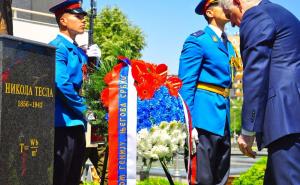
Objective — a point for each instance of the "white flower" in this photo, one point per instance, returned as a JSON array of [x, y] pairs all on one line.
[[161, 141], [160, 150]]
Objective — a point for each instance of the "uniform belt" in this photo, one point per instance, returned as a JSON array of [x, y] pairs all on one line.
[[213, 88]]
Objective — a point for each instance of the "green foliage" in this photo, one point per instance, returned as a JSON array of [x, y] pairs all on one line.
[[115, 36], [235, 115], [89, 183], [157, 181], [254, 176]]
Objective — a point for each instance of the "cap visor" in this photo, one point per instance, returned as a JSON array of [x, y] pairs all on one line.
[[199, 8], [76, 11]]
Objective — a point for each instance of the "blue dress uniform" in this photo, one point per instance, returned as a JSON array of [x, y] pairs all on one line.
[[206, 74], [205, 59], [70, 107], [270, 47]]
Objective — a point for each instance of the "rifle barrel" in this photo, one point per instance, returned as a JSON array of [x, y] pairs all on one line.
[[92, 17]]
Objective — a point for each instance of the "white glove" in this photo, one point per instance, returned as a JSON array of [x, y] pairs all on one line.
[[94, 51], [195, 140]]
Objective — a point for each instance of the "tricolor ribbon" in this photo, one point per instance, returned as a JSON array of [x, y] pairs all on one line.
[[122, 127], [192, 160]]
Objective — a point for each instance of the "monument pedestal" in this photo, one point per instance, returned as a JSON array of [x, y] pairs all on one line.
[[27, 112]]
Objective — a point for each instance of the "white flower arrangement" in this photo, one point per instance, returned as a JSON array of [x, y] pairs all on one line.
[[162, 141]]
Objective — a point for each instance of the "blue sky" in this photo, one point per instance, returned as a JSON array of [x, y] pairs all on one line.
[[167, 23]]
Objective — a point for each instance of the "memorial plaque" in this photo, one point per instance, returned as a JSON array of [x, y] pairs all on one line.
[[27, 112]]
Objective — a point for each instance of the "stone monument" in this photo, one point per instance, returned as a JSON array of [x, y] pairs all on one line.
[[26, 112]]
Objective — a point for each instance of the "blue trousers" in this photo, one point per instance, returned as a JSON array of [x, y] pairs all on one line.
[[283, 166], [69, 147]]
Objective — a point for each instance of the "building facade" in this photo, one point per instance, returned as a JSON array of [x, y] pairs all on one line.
[[32, 20], [34, 5]]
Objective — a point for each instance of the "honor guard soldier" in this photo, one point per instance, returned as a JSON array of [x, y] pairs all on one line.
[[206, 74], [70, 108]]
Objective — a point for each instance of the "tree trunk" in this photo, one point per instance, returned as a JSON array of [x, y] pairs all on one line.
[[6, 25]]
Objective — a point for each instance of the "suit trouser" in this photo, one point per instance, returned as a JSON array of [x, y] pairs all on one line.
[[213, 157], [69, 146], [283, 166]]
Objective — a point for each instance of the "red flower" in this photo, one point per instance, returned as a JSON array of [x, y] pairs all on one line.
[[108, 77], [150, 77], [104, 97], [139, 68], [84, 68], [84, 71], [97, 138], [160, 75], [173, 84], [144, 91], [162, 70], [156, 81], [151, 68]]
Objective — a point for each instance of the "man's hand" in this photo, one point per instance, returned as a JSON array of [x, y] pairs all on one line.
[[245, 145], [93, 51]]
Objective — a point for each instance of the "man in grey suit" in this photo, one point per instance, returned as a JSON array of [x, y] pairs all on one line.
[[270, 48]]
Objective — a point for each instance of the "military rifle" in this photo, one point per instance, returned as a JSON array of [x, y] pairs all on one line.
[[93, 62], [93, 15]]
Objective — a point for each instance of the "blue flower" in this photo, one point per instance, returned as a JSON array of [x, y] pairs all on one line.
[[162, 107]]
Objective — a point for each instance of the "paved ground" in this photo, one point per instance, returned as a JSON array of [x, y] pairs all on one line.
[[239, 164]]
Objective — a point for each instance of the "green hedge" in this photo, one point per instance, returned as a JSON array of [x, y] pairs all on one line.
[[254, 176], [89, 183], [157, 181], [150, 181]]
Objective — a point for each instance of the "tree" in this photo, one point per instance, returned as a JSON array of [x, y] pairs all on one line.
[[115, 36], [6, 26]]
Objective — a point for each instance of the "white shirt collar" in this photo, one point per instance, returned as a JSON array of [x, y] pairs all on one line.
[[258, 3], [217, 30], [66, 37]]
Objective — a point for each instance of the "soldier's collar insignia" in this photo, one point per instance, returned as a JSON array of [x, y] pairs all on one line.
[[215, 39]]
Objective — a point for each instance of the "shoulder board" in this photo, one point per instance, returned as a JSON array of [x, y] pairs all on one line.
[[198, 33]]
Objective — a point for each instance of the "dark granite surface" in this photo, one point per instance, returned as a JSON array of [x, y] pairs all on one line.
[[27, 112]]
